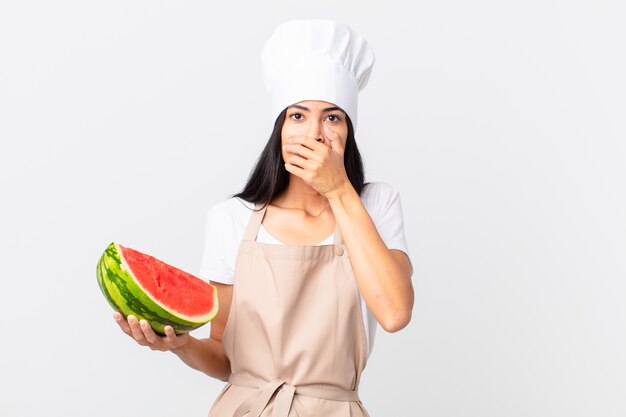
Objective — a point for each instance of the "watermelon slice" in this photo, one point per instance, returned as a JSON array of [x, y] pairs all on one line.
[[141, 285]]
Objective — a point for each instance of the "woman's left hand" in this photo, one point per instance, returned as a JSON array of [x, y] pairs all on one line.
[[319, 165]]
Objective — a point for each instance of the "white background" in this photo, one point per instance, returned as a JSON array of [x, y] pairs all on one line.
[[501, 123]]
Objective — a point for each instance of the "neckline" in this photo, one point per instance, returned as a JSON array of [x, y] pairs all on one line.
[[257, 218], [320, 243]]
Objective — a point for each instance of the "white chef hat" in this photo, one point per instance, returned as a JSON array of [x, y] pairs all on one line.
[[316, 59]]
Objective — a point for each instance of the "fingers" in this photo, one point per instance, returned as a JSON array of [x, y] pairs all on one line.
[[301, 150], [149, 334], [144, 334], [135, 330], [333, 137], [175, 341], [122, 323], [131, 327], [312, 149], [329, 133], [307, 142], [294, 169], [171, 339], [311, 143], [300, 162]]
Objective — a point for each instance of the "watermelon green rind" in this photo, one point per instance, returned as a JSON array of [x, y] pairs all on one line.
[[125, 295]]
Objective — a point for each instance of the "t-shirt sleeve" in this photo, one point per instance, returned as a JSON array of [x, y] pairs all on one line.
[[388, 218], [216, 265]]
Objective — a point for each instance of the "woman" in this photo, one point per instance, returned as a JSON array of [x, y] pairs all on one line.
[[297, 303]]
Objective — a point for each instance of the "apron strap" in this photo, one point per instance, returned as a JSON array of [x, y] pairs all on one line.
[[256, 403], [255, 222]]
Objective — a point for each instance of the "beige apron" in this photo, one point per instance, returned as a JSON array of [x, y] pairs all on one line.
[[295, 335]]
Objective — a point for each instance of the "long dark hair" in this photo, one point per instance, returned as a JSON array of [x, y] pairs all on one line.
[[269, 177]]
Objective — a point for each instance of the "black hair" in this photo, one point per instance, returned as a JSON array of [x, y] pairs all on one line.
[[269, 177]]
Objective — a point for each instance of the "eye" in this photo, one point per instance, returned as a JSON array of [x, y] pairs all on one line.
[[336, 117], [296, 114]]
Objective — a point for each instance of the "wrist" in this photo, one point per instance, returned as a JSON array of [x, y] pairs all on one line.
[[341, 192], [182, 349]]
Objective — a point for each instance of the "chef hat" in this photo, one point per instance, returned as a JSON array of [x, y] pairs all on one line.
[[316, 60]]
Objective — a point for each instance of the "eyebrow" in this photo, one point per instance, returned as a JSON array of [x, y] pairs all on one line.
[[297, 106]]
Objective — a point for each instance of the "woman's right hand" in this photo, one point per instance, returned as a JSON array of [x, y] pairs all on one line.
[[143, 333]]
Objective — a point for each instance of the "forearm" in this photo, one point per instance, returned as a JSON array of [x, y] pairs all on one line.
[[205, 355], [385, 286]]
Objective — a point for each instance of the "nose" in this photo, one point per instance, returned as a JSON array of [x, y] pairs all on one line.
[[315, 132]]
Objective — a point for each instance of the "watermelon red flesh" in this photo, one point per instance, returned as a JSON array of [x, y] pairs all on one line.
[[165, 284]]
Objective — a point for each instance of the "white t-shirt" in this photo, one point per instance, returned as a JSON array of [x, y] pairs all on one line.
[[226, 223]]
